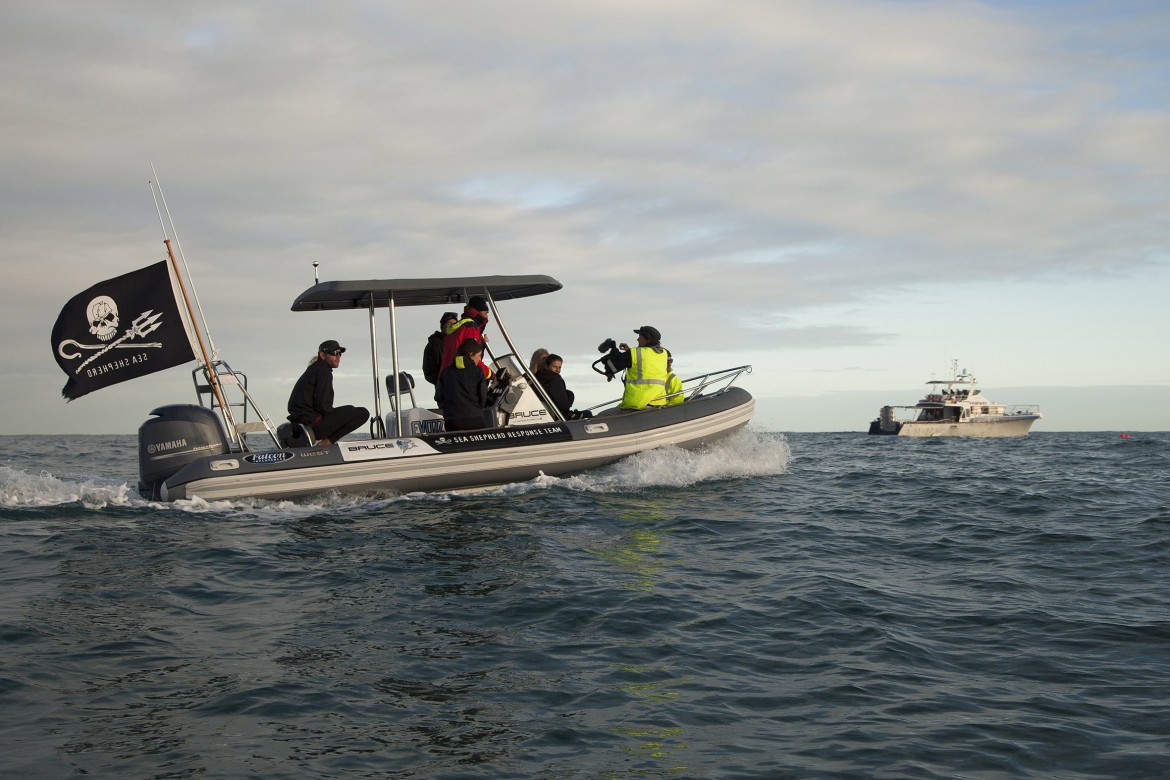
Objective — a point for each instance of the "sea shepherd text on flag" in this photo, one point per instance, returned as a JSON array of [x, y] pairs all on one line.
[[120, 329]]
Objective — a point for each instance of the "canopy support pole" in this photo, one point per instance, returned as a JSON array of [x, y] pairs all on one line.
[[397, 400], [374, 363], [540, 392]]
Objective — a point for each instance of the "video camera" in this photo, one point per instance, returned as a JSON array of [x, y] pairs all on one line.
[[602, 365]]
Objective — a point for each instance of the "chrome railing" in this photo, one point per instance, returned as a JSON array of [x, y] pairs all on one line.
[[694, 386]]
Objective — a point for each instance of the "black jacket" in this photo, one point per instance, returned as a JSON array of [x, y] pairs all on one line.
[[312, 395], [554, 385], [462, 390], [433, 357]]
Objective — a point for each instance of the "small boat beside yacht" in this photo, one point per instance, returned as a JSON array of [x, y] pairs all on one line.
[[212, 450], [956, 407], [196, 451]]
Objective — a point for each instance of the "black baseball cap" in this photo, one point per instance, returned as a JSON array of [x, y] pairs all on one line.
[[330, 346], [650, 332]]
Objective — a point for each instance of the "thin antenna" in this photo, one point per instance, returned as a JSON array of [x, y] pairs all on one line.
[[154, 195], [316, 279], [189, 318], [186, 268], [187, 314]]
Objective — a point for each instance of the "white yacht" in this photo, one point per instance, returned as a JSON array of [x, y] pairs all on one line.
[[956, 407]]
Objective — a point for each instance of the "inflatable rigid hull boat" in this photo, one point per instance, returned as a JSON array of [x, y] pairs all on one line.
[[451, 461]]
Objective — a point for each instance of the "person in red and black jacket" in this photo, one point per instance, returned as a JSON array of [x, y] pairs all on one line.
[[471, 326]]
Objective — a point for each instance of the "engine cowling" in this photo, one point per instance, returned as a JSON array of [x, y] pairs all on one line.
[[177, 435]]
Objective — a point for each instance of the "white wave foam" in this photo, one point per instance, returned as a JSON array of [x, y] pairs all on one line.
[[22, 490], [746, 453], [262, 509], [19, 489]]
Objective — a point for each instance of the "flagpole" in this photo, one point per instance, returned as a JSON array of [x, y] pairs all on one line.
[[179, 245], [212, 374]]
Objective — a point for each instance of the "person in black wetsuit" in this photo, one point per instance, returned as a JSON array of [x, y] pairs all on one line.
[[553, 383], [463, 390], [311, 401]]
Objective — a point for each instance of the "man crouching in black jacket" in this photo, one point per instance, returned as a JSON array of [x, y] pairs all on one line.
[[311, 401], [463, 389]]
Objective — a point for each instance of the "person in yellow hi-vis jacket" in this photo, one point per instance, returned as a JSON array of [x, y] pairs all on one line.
[[645, 367], [673, 383]]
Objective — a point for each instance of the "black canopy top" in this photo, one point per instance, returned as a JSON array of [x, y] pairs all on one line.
[[329, 296]]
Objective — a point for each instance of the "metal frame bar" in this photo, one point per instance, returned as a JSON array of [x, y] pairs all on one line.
[[537, 387], [725, 376]]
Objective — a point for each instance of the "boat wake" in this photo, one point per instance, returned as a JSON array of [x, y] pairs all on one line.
[[744, 454], [24, 490], [20, 489]]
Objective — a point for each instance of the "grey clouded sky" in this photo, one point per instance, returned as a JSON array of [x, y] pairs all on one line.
[[845, 194]]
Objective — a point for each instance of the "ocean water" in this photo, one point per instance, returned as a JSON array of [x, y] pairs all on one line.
[[777, 606]]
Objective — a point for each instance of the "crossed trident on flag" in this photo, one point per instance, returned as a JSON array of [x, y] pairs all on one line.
[[144, 323]]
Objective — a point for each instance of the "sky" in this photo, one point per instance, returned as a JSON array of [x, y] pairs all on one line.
[[846, 194]]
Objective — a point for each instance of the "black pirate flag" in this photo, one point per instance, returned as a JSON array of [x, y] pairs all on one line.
[[120, 329]]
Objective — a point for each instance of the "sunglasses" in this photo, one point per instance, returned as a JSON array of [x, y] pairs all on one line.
[[335, 353]]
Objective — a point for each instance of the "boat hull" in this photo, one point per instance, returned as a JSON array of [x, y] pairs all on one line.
[[461, 460], [994, 428]]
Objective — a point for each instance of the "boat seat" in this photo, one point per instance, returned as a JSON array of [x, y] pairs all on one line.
[[405, 385], [415, 422], [302, 438]]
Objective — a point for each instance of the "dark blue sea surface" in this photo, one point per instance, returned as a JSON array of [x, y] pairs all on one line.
[[778, 606]]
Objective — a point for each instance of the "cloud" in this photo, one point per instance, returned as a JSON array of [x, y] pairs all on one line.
[[702, 163]]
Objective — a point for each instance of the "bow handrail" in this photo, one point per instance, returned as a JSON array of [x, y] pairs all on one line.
[[697, 384]]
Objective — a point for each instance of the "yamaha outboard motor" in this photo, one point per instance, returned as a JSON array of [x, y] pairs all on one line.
[[178, 435]]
